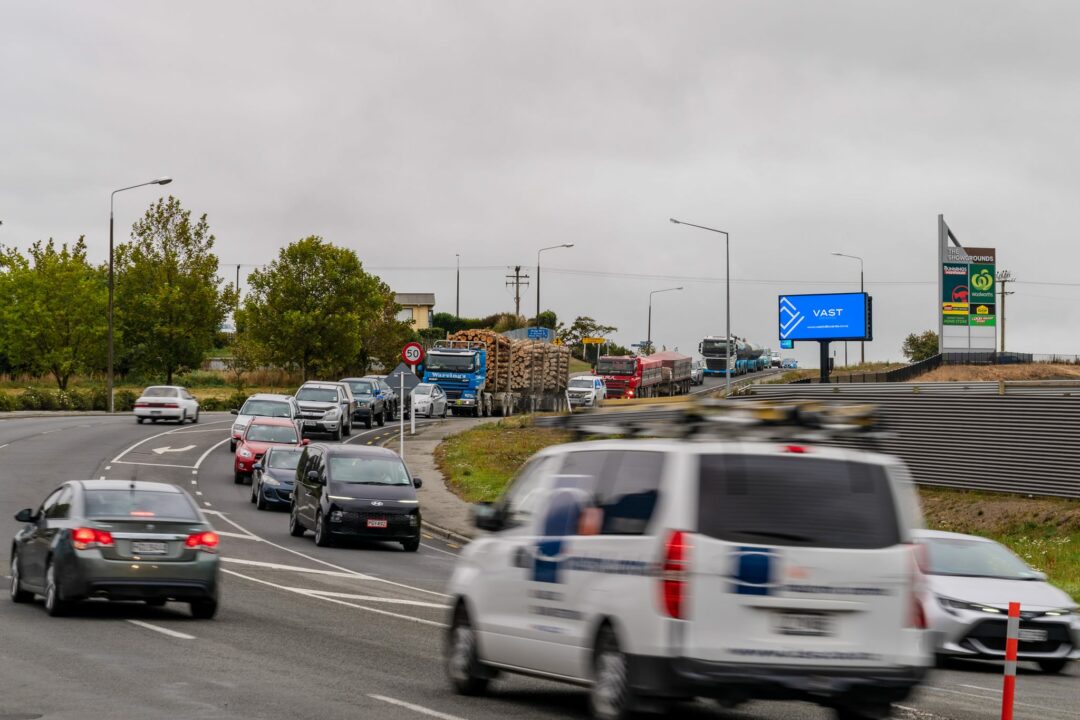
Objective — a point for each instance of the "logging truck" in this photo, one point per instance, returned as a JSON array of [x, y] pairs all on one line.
[[485, 374]]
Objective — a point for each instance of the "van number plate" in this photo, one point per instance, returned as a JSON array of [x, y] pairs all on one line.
[[804, 624]]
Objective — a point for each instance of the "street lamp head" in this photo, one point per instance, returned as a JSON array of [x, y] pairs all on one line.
[[674, 221], [839, 254], [568, 244], [163, 181]]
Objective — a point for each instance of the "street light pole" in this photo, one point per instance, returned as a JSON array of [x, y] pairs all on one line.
[[648, 337], [109, 378], [457, 301], [549, 247], [862, 343], [727, 284]]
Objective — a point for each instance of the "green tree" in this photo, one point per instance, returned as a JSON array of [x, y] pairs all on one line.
[[54, 306], [308, 309], [169, 304], [920, 347]]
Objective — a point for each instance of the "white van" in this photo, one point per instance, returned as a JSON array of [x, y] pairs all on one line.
[[660, 570]]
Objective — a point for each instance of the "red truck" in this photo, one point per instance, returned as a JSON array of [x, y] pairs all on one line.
[[630, 377], [676, 372]]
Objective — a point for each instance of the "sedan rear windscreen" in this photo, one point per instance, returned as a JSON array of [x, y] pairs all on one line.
[[796, 500], [139, 504]]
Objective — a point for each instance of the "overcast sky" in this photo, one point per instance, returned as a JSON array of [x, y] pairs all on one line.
[[414, 131]]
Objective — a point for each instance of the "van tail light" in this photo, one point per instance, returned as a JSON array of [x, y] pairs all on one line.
[[207, 541], [85, 538], [916, 613], [674, 574]]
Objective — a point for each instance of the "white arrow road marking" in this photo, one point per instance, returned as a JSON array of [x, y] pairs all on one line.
[[166, 449]]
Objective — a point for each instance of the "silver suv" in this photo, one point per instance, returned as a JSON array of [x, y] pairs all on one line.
[[326, 407]]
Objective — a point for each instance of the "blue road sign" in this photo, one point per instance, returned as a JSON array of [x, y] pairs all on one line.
[[539, 333], [787, 344], [831, 316]]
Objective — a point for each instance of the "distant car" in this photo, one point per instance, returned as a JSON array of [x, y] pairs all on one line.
[[697, 373], [326, 407], [429, 400], [586, 391], [370, 405], [262, 405], [389, 396], [789, 363], [357, 492], [118, 540], [261, 434], [970, 582], [774, 359], [275, 477], [166, 402]]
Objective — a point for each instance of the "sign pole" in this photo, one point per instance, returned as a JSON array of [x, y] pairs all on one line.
[[824, 360], [401, 420], [412, 415]]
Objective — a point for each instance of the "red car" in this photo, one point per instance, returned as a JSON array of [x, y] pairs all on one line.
[[261, 433]]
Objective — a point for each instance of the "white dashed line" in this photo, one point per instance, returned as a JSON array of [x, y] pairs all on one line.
[[207, 503], [415, 708], [163, 631], [4, 446], [198, 492]]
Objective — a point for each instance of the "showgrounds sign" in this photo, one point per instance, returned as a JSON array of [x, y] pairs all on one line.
[[968, 317]]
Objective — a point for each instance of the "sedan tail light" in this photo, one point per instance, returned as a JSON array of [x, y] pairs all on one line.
[[171, 406], [207, 541], [85, 538]]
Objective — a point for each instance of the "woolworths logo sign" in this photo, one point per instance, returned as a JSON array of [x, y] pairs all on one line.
[[981, 283]]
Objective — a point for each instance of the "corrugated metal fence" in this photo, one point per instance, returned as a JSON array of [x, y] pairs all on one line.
[[968, 435]]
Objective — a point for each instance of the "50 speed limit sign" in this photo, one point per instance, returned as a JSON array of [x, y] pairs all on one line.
[[412, 353]]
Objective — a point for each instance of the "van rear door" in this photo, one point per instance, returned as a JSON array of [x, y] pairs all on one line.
[[798, 559]]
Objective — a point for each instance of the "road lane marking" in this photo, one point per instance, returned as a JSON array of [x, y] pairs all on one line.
[[170, 449], [4, 446], [376, 598], [992, 699], [324, 562], [167, 432], [226, 533], [162, 630], [415, 708], [202, 430], [129, 462], [297, 568], [308, 593], [439, 550], [212, 448]]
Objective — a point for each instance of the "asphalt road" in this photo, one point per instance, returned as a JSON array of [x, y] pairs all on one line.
[[302, 631]]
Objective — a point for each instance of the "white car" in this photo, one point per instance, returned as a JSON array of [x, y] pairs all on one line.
[[428, 399], [262, 405], [653, 571], [166, 402], [970, 582], [586, 391]]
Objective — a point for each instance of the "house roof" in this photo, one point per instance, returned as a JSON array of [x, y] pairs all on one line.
[[415, 299]]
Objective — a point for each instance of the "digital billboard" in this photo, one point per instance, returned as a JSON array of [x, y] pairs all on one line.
[[830, 316]]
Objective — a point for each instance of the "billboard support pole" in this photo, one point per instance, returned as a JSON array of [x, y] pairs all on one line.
[[824, 360]]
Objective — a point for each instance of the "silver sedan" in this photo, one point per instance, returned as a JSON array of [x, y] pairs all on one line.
[[429, 400], [970, 582]]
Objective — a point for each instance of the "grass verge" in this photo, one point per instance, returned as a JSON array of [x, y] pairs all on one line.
[[478, 463], [1045, 532]]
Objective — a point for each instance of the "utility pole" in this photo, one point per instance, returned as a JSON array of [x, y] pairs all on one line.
[[517, 280], [457, 299], [1004, 277]]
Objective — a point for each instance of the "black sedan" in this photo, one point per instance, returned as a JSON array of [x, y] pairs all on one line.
[[118, 540]]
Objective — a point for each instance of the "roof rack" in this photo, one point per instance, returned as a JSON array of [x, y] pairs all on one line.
[[805, 421]]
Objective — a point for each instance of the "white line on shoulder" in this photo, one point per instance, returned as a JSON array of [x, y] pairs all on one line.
[[415, 708], [162, 630]]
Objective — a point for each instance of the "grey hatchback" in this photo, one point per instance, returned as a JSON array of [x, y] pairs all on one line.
[[118, 540]]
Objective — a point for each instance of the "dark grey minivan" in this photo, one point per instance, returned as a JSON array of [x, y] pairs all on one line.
[[355, 492]]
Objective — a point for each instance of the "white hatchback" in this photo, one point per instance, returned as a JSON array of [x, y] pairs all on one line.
[[166, 402], [654, 571]]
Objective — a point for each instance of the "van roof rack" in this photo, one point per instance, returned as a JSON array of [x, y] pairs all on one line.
[[806, 421]]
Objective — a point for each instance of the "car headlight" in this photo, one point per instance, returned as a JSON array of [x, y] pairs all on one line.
[[951, 606], [267, 480], [1062, 612], [332, 413], [245, 453], [238, 427]]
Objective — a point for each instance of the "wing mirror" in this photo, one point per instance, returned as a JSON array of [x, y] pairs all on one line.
[[487, 517], [257, 467], [305, 441], [25, 516], [314, 477], [417, 483], [1041, 575], [235, 411]]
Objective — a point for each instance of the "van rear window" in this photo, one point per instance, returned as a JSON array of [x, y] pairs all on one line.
[[796, 500]]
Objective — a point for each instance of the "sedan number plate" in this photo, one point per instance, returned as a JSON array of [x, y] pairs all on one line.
[[804, 624], [376, 523], [1033, 635], [149, 548]]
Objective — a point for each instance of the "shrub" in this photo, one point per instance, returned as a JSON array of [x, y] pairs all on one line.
[[124, 400], [7, 403], [34, 399], [200, 378]]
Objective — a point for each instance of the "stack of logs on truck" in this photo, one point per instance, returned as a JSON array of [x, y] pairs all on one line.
[[660, 375], [516, 375]]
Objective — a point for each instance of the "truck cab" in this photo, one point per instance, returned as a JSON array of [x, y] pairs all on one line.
[[460, 369]]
